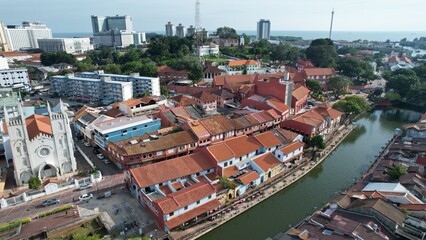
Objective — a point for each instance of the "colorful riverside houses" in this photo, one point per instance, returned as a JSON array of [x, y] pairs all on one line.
[[178, 190], [175, 191], [122, 128]]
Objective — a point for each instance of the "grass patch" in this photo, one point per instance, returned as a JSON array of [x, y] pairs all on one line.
[[89, 230], [14, 224], [216, 59], [56, 210]]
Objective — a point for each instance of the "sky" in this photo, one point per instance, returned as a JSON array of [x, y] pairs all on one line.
[[293, 15]]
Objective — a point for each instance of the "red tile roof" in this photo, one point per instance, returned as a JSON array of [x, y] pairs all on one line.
[[326, 111], [242, 62], [38, 124], [242, 145], [204, 96], [182, 218], [167, 69], [248, 177], [291, 147], [5, 129], [220, 152], [267, 139], [319, 72], [184, 197], [300, 92], [156, 173], [217, 124], [278, 105], [131, 102], [421, 160], [183, 100], [229, 171], [266, 161]]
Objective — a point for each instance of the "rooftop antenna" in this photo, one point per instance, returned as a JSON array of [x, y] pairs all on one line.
[[331, 24]]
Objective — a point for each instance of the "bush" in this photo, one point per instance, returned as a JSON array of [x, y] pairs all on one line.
[[34, 182], [56, 210], [14, 224]]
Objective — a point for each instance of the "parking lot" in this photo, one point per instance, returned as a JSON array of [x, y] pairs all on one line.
[[119, 212]]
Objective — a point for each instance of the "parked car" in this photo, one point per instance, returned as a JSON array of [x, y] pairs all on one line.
[[85, 186], [86, 144], [50, 202], [100, 156], [85, 197], [106, 161]]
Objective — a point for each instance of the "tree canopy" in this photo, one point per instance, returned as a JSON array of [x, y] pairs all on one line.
[[190, 63], [337, 85], [50, 58], [352, 105], [314, 86], [396, 171], [355, 69], [226, 32], [322, 53], [317, 141], [401, 81]]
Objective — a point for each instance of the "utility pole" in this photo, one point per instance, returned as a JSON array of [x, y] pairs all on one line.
[[331, 24]]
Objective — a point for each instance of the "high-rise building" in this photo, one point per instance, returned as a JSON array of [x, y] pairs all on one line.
[[26, 36], [263, 29], [169, 30], [112, 31], [4, 44], [180, 31], [190, 31], [69, 45]]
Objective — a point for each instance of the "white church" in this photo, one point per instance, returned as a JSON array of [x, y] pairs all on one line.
[[39, 146]]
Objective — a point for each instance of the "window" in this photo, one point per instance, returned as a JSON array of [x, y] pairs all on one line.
[[198, 202], [171, 214], [279, 155], [210, 196], [226, 164], [185, 208], [134, 129]]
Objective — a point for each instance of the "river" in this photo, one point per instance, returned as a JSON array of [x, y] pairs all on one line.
[[339, 171]]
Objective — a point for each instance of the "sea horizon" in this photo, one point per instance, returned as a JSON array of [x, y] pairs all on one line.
[[306, 35]]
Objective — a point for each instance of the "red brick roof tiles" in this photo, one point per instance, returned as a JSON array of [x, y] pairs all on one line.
[[267, 139], [156, 173], [291, 147], [248, 177], [38, 124], [266, 161], [184, 197]]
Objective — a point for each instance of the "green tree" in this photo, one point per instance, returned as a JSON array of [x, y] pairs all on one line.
[[314, 86], [34, 182], [226, 183], [355, 69], [401, 81], [317, 141], [352, 105], [49, 58], [322, 53], [148, 70], [82, 236], [190, 63], [337, 85], [226, 32], [396, 171], [111, 68]]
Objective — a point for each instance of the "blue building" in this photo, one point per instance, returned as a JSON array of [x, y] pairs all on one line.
[[124, 128]]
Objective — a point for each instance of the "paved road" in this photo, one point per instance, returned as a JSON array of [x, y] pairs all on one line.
[[112, 178]]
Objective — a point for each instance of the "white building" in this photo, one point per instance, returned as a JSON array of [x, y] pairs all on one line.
[[169, 29], [4, 42], [263, 29], [180, 31], [12, 77], [141, 85], [40, 146], [208, 50], [26, 36], [139, 38], [190, 31], [113, 31], [69, 45], [103, 90]]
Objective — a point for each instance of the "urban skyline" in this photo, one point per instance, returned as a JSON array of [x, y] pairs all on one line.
[[351, 15]]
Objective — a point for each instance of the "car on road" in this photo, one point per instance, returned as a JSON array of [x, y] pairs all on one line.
[[106, 161], [86, 144], [50, 202], [85, 197], [85, 186], [100, 156]]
